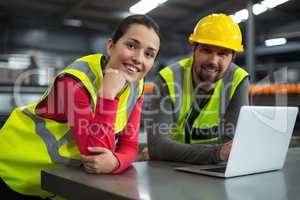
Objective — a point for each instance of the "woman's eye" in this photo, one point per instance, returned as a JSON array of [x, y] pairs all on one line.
[[131, 45], [149, 55]]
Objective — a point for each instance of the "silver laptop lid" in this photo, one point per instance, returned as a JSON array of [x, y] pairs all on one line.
[[261, 139]]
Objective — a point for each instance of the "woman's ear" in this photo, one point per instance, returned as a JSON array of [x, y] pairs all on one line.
[[109, 46]]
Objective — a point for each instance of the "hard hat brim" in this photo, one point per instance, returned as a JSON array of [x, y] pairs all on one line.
[[192, 40]]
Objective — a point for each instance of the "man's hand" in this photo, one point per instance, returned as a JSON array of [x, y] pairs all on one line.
[[145, 154], [112, 83], [105, 162], [225, 150]]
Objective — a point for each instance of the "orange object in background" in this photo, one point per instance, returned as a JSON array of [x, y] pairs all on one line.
[[290, 88], [298, 88], [149, 88]]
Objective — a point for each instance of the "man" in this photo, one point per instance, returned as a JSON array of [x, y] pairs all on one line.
[[197, 100]]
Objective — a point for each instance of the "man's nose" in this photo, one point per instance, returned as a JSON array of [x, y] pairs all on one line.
[[214, 59]]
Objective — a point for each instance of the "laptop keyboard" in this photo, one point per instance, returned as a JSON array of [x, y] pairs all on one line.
[[219, 169]]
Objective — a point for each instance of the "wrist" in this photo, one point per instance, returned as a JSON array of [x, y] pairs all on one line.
[[216, 154], [107, 95], [220, 153], [116, 163]]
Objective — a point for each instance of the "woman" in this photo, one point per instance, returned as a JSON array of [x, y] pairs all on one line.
[[93, 109]]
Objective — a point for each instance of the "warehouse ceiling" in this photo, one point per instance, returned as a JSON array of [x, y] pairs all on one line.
[[175, 17]]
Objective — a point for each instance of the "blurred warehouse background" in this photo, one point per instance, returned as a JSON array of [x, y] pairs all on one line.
[[48, 35]]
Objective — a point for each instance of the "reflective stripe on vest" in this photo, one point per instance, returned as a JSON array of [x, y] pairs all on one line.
[[52, 144], [179, 76], [79, 69]]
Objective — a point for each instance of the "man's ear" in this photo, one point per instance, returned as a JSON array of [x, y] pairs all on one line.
[[194, 47], [233, 56], [109, 46]]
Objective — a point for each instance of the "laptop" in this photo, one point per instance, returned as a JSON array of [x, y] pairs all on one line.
[[260, 142]]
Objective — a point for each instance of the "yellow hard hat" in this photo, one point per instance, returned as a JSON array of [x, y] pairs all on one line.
[[218, 30]]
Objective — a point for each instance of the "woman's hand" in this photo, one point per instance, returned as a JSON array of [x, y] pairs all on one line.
[[112, 83], [104, 162]]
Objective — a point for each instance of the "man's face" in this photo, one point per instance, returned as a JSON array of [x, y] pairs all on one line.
[[210, 63]]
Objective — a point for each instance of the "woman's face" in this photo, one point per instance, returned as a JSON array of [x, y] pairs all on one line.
[[135, 52]]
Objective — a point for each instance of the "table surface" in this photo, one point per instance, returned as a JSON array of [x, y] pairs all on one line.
[[158, 180]]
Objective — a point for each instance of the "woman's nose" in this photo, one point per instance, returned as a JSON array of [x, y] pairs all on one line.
[[138, 57]]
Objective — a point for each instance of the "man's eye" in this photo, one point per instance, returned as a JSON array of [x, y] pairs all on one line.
[[223, 54], [207, 50]]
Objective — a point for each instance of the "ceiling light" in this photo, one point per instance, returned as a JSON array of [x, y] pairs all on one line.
[[72, 22], [272, 3], [240, 16], [258, 9], [235, 19], [145, 6], [275, 42]]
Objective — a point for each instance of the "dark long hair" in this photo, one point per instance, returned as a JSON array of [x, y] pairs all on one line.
[[134, 19]]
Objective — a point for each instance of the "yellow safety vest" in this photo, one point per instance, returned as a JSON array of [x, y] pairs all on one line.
[[178, 78], [30, 143]]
